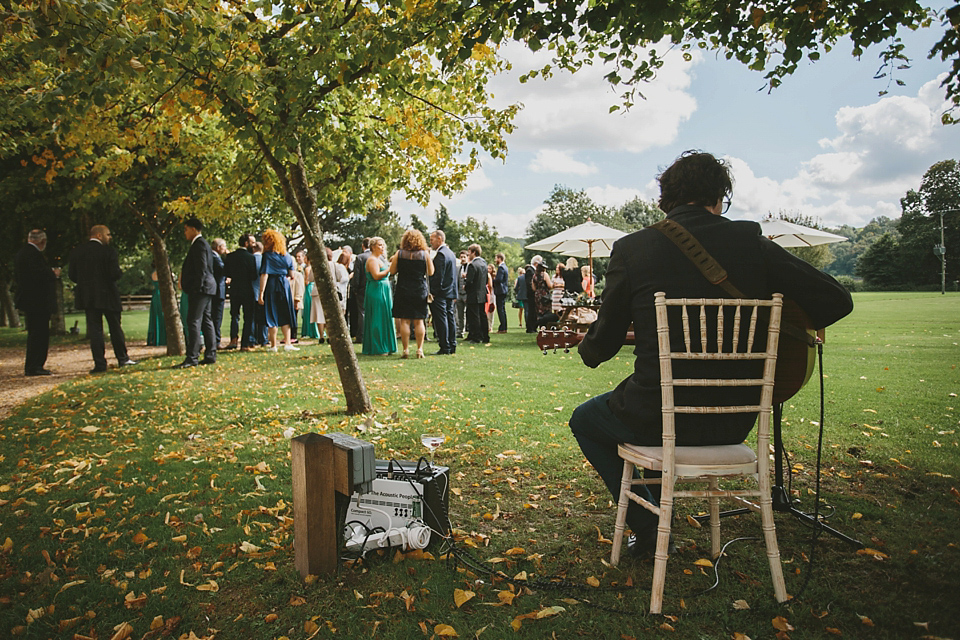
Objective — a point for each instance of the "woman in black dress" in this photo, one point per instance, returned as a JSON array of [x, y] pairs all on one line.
[[413, 265]]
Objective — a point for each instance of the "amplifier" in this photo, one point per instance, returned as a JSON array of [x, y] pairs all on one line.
[[406, 507]]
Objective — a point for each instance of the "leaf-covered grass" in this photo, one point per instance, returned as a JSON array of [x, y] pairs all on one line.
[[127, 497]]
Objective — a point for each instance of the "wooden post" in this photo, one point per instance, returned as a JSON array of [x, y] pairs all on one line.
[[314, 505], [323, 470]]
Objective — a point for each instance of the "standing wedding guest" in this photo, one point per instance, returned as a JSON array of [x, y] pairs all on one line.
[[219, 246], [379, 336], [308, 323], [443, 288], [275, 296], [462, 295], [572, 277], [520, 292], [356, 291], [490, 305], [412, 265], [501, 289], [556, 292], [297, 290], [530, 300], [341, 277], [543, 294], [156, 323], [478, 331], [260, 317], [95, 268], [36, 297], [243, 271], [588, 282], [198, 282]]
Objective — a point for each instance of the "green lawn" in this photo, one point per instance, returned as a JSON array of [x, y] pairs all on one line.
[[127, 499]]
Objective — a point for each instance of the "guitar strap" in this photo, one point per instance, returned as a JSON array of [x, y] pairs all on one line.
[[714, 272], [701, 259]]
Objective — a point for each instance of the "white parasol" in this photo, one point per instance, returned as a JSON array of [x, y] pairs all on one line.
[[587, 240], [788, 234]]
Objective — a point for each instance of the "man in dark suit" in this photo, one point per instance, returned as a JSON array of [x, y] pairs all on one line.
[[501, 288], [95, 268], [443, 288], [197, 280], [240, 267], [358, 289], [36, 297], [530, 314], [478, 332], [693, 193]]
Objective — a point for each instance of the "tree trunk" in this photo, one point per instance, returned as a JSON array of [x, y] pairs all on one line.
[[176, 344], [58, 321], [8, 312], [296, 193]]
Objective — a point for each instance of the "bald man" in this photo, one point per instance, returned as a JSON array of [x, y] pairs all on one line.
[[95, 269]]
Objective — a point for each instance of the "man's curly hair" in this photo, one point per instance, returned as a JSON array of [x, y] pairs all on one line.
[[694, 178]]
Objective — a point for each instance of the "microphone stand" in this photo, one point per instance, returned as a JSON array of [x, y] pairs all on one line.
[[781, 500]]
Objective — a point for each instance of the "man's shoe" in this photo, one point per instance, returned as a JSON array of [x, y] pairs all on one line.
[[98, 370], [646, 545], [208, 361], [441, 353], [502, 331], [39, 372], [184, 365], [229, 347], [128, 363], [245, 349]]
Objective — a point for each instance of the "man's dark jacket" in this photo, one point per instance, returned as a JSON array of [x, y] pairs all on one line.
[[95, 268], [241, 267], [443, 282], [476, 281], [36, 284], [646, 262], [197, 275]]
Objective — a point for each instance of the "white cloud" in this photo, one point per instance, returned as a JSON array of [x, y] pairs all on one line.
[[572, 111], [612, 196], [553, 161], [881, 150]]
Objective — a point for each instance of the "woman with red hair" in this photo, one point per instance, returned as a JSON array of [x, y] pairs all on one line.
[[275, 296]]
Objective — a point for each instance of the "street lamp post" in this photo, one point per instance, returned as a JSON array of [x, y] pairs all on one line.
[[941, 250]]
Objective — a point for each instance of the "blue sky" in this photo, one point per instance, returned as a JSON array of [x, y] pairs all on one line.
[[824, 144]]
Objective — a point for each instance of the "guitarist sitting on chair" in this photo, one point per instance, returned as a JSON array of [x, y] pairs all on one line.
[[694, 192]]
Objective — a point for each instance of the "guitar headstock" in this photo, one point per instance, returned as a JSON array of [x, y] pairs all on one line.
[[557, 339]]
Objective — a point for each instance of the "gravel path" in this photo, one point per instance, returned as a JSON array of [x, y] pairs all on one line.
[[66, 362]]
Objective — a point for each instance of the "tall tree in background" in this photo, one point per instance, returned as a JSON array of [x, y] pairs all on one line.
[[919, 225]]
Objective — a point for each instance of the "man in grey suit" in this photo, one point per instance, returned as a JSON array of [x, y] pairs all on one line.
[[443, 288], [198, 281], [478, 332], [95, 268]]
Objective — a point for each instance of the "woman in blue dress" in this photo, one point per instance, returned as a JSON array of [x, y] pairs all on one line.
[[413, 265], [276, 267], [379, 336]]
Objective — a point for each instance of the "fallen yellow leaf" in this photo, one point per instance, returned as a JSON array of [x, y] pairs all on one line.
[[461, 597], [445, 631]]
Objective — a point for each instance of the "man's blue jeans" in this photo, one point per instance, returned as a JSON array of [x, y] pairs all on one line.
[[598, 432]]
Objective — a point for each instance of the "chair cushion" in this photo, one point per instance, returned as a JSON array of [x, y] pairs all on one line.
[[715, 457]]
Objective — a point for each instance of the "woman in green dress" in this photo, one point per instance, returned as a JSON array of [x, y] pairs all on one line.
[[379, 335], [308, 325], [156, 328]]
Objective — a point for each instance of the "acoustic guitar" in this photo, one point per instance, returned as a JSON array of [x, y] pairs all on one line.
[[796, 355]]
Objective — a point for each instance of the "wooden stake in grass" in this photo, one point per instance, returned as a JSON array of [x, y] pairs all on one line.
[[323, 473]]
